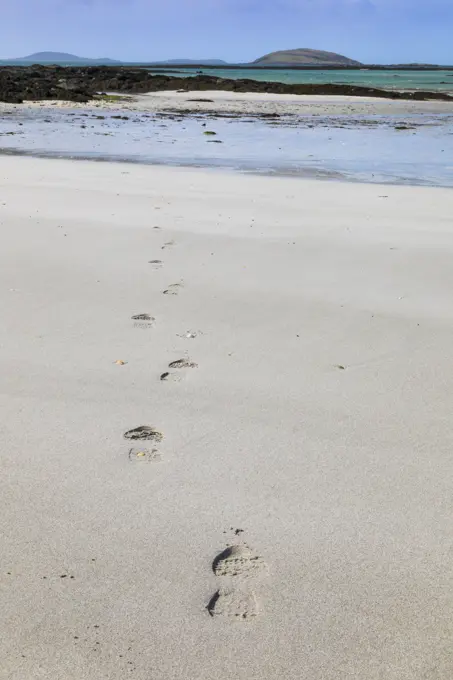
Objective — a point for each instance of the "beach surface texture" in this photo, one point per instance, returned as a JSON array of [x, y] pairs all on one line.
[[226, 426]]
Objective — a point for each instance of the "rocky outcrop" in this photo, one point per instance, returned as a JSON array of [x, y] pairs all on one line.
[[83, 83], [305, 57]]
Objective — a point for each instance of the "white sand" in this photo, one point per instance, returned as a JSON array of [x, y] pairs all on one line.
[[340, 479], [254, 103], [259, 102]]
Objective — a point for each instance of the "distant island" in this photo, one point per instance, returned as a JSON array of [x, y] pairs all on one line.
[[62, 57], [305, 57], [298, 59]]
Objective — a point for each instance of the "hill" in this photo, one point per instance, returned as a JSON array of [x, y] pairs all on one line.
[[305, 57], [62, 57]]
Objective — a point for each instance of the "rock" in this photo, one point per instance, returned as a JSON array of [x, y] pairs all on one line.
[[83, 83]]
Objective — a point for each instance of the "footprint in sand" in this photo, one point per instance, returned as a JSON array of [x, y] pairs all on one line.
[[143, 321], [169, 244], [233, 603], [156, 264], [179, 364], [144, 432], [170, 377], [238, 560], [237, 567], [137, 455], [182, 363], [173, 289]]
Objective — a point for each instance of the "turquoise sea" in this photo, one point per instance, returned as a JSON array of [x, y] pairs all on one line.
[[391, 80]]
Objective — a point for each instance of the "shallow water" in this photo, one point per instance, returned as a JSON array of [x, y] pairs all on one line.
[[368, 148], [389, 80]]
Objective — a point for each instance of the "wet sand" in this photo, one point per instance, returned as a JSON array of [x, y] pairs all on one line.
[[285, 347], [252, 103], [367, 141]]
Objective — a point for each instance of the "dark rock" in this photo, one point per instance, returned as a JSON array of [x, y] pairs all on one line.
[[82, 83]]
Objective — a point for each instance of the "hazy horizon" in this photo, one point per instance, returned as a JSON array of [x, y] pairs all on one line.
[[172, 60], [370, 31]]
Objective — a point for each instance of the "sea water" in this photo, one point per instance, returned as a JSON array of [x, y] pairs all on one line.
[[389, 80], [395, 79], [367, 149]]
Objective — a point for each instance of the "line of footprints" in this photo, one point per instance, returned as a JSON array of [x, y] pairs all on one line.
[[238, 568]]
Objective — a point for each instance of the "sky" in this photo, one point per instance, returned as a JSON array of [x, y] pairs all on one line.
[[371, 31]]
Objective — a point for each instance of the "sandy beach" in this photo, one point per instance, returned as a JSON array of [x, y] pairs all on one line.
[[289, 104], [252, 103], [293, 349]]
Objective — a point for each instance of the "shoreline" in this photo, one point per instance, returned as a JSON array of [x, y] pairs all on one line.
[[372, 141], [300, 174], [83, 83]]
